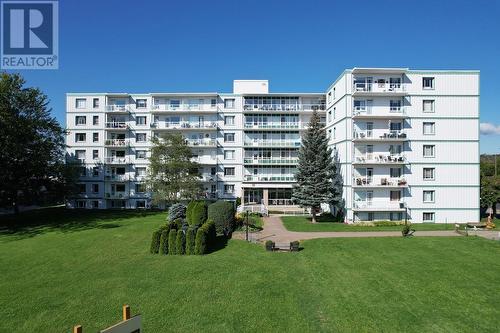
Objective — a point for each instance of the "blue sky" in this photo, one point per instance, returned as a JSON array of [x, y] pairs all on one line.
[[146, 46]]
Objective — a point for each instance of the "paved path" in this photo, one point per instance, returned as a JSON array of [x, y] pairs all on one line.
[[275, 230]]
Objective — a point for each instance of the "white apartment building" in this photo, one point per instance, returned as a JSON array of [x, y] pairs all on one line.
[[408, 142]]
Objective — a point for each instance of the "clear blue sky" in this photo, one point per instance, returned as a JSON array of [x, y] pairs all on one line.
[[146, 46]]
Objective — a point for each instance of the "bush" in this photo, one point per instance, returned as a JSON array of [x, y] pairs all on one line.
[[172, 238], [211, 234], [177, 224], [270, 245], [155, 242], [190, 236], [222, 213], [406, 230], [238, 201], [294, 246], [181, 242], [196, 213], [177, 211], [164, 241], [200, 243]]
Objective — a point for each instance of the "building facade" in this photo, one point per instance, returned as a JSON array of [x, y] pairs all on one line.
[[408, 142]]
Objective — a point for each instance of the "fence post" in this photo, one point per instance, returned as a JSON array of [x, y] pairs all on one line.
[[126, 312], [77, 329]]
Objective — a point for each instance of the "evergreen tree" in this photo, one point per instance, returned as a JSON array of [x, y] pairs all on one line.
[[172, 176], [318, 179]]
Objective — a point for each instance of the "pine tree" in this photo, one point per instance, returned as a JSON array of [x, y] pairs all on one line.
[[318, 178]]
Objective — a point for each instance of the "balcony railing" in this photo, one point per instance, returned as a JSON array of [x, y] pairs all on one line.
[[183, 107], [379, 159], [273, 143], [365, 111], [202, 142], [371, 135], [269, 178], [272, 161], [381, 182], [276, 125], [379, 87], [378, 204], [284, 107], [116, 177], [184, 125], [116, 142], [116, 160], [116, 195], [117, 108], [117, 125]]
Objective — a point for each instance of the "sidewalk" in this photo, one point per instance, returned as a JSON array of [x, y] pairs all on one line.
[[275, 230]]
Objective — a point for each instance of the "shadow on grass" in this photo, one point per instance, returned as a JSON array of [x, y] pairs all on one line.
[[36, 222], [220, 243]]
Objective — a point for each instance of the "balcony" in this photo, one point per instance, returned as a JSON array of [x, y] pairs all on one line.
[[380, 159], [377, 205], [386, 182], [378, 88], [201, 142], [117, 108], [369, 135], [389, 112], [208, 178], [271, 161], [116, 160], [284, 107], [117, 178], [208, 125], [183, 108], [272, 143], [121, 125], [116, 195], [116, 142], [269, 178], [276, 125]]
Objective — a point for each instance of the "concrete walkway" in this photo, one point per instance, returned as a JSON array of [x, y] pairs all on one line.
[[275, 230]]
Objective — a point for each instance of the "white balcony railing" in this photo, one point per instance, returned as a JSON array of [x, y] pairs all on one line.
[[278, 125], [378, 111], [373, 158], [269, 178], [379, 135], [379, 87], [117, 108], [116, 195], [380, 182], [183, 107], [117, 125], [201, 142], [116, 160], [284, 107], [273, 143], [184, 125], [271, 160], [116, 177], [116, 142], [377, 204]]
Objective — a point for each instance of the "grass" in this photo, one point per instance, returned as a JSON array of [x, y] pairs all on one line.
[[68, 268], [303, 223]]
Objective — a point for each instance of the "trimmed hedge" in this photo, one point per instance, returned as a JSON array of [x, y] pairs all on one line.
[[176, 211], [223, 214], [196, 213], [180, 242], [190, 236], [172, 238], [200, 243], [164, 241], [155, 242]]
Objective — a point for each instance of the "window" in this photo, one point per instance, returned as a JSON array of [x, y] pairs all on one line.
[[428, 83], [394, 127], [329, 116], [429, 174], [396, 216], [229, 171], [334, 133], [95, 204], [428, 196], [81, 103], [95, 120], [175, 103], [428, 105], [81, 120], [140, 154], [95, 154], [329, 96], [95, 188], [229, 189], [429, 128], [140, 137], [229, 120], [395, 105], [140, 204], [395, 172], [95, 103], [80, 154], [229, 103], [120, 171], [140, 172], [429, 150], [395, 195], [81, 204], [140, 188], [95, 137], [140, 120], [229, 154], [95, 172], [120, 187], [228, 137], [213, 102], [140, 103], [333, 93], [80, 137], [428, 217], [82, 188]]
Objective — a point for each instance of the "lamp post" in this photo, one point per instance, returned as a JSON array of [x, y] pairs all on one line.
[[246, 232]]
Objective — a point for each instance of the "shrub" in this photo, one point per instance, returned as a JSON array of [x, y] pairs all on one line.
[[190, 236], [172, 237], [222, 213], [177, 211], [270, 245], [294, 246], [238, 201], [200, 243], [180, 242], [406, 230], [211, 234], [155, 242], [177, 224], [196, 213], [164, 241]]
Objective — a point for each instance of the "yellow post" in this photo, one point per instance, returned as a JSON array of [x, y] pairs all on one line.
[[77, 329], [126, 312]]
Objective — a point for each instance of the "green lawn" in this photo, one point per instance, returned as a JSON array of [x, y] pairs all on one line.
[[303, 223], [80, 267]]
